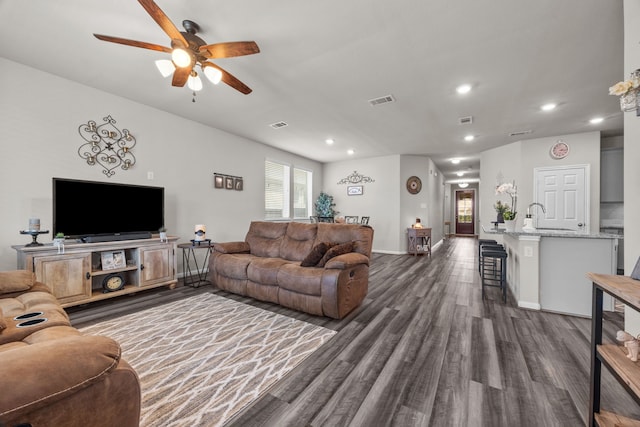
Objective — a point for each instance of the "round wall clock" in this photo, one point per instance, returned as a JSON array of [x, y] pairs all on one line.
[[559, 150], [113, 282], [414, 185]]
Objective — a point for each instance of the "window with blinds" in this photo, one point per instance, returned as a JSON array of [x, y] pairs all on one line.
[[286, 192], [276, 190], [301, 193]]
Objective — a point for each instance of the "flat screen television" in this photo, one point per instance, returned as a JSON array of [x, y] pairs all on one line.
[[84, 209]]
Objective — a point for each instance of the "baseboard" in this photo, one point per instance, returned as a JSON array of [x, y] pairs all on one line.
[[529, 305], [378, 251]]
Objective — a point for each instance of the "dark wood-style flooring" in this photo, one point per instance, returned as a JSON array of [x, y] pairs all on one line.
[[425, 350]]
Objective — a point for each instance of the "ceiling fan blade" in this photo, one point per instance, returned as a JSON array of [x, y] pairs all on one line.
[[134, 43], [163, 20], [180, 76], [230, 49], [231, 80]]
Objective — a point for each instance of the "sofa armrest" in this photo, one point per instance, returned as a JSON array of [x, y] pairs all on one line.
[[37, 375], [232, 248], [345, 261]]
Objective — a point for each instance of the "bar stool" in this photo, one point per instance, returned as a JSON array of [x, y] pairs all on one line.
[[482, 242], [493, 268]]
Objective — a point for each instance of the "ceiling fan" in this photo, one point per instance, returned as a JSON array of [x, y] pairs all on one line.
[[188, 50]]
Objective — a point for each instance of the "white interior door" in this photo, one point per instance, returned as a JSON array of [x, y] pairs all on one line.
[[564, 192]]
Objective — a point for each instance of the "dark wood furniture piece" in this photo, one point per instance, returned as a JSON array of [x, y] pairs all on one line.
[[196, 274], [612, 356], [419, 241]]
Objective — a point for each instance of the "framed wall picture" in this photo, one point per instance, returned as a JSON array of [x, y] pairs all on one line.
[[238, 184], [228, 183], [218, 181], [113, 260], [354, 190]]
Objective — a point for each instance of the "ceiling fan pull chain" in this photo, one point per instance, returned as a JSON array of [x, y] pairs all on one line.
[[194, 97]]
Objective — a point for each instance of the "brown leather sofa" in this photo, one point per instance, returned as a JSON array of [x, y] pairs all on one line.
[[267, 266], [51, 374]]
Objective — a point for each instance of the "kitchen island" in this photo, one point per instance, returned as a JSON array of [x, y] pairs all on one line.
[[546, 269]]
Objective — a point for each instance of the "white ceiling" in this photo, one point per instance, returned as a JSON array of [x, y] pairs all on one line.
[[321, 61]]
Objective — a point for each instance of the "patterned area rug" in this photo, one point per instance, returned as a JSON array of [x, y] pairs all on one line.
[[205, 358]]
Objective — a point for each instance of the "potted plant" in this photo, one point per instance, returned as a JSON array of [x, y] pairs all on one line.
[[58, 241], [324, 206], [163, 234], [500, 208], [509, 220]]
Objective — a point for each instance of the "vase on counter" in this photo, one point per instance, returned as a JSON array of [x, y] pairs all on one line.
[[510, 225], [500, 218]]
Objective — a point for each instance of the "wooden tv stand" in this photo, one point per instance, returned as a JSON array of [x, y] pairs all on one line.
[[75, 277]]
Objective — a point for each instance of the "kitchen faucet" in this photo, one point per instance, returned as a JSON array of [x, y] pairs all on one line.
[[535, 204]]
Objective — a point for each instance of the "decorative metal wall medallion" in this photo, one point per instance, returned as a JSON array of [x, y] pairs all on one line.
[[356, 178], [107, 146]]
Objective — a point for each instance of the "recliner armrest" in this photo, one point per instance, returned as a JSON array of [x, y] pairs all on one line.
[[37, 375], [232, 248], [345, 261]]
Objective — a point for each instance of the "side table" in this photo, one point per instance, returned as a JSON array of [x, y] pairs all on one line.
[[419, 241], [196, 275]]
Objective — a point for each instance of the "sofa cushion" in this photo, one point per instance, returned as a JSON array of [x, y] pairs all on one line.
[[316, 254], [334, 251], [298, 241], [265, 270], [16, 281], [265, 238], [361, 235], [300, 279], [233, 265]]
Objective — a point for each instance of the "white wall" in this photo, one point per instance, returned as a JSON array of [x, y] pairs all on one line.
[[380, 199], [40, 140], [517, 161], [631, 156], [391, 207]]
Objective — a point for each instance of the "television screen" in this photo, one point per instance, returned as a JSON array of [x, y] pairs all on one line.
[[87, 208]]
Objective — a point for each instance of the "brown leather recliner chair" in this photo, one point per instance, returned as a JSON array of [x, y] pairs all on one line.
[[50, 373]]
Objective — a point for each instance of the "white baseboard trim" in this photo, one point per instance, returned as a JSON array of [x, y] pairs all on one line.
[[529, 305], [379, 251]]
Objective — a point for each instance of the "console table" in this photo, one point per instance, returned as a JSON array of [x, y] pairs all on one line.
[[419, 241]]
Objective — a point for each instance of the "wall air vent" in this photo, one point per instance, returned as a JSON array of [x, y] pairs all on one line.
[[382, 100], [465, 120], [278, 125], [521, 132]]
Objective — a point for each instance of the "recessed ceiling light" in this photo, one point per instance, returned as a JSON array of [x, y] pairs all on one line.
[[469, 138], [596, 120], [462, 89], [460, 173], [455, 161], [350, 152], [548, 107], [329, 141]]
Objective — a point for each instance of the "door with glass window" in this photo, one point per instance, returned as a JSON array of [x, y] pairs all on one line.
[[465, 202]]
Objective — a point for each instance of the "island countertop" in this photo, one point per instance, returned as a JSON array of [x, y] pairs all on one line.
[[553, 233]]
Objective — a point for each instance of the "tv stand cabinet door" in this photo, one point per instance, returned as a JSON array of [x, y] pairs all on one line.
[[68, 276], [156, 265]]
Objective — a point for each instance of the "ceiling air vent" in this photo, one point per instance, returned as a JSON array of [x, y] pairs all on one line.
[[381, 100], [465, 120], [278, 125], [521, 132]]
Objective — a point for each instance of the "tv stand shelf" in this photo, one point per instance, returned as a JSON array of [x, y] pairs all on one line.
[[75, 277]]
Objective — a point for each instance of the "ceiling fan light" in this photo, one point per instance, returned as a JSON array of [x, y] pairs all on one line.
[[213, 74], [180, 57], [194, 83], [165, 67]]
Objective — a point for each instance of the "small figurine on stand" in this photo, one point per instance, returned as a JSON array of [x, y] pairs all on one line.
[[631, 343]]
